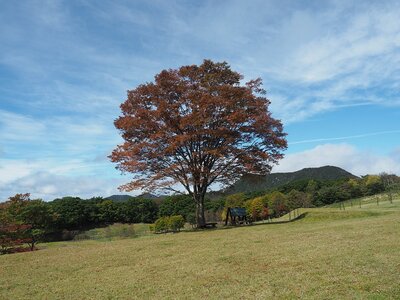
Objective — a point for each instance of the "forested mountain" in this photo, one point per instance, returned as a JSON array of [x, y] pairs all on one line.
[[252, 183], [123, 198], [119, 198]]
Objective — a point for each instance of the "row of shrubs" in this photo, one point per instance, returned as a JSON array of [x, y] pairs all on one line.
[[168, 224]]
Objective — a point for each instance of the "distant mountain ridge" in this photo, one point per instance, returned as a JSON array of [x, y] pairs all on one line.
[[123, 198], [255, 183], [119, 198], [251, 182]]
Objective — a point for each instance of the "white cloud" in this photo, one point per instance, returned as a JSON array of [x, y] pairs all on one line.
[[48, 186], [344, 137], [345, 156], [19, 127], [323, 58], [56, 135], [11, 170], [311, 56], [52, 177]]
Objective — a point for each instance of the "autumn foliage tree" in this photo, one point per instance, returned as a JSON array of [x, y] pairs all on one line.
[[196, 126], [23, 221], [12, 232]]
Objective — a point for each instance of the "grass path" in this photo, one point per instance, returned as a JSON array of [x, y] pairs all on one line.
[[329, 254]]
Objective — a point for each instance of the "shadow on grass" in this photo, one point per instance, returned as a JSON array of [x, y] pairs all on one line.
[[299, 217]]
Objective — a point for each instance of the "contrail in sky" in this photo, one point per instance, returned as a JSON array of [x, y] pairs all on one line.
[[344, 137]]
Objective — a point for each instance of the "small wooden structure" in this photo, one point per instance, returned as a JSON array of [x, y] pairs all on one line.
[[236, 216]]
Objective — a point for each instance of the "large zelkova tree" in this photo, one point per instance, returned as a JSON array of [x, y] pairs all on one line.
[[196, 126]]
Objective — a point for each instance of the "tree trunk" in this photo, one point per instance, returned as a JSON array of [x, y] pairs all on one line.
[[200, 218]]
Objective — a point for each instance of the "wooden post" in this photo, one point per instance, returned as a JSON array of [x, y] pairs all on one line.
[[360, 203]]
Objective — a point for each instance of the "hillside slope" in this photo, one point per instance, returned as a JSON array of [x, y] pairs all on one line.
[[251, 183]]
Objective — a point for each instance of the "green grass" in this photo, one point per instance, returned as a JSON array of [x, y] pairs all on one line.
[[328, 254], [115, 231], [368, 202]]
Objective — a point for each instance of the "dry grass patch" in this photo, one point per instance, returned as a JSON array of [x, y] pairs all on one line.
[[329, 254]]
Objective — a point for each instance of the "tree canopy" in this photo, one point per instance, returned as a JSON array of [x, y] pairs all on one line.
[[196, 126]]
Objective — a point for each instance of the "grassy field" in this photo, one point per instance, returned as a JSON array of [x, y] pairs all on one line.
[[328, 254], [115, 231]]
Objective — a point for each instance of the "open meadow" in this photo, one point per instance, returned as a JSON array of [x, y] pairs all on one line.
[[327, 254]]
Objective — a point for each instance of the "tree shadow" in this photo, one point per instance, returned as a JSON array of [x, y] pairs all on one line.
[[223, 227]]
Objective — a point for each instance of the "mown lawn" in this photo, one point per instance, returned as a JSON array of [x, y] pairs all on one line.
[[328, 254]]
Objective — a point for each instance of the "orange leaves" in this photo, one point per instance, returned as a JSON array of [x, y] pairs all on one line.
[[197, 125]]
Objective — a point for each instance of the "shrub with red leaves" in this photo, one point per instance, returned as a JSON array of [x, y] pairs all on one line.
[[13, 236]]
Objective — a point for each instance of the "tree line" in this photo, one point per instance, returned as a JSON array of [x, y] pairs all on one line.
[[27, 221], [278, 201]]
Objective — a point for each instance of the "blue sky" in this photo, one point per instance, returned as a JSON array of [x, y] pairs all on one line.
[[331, 68]]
